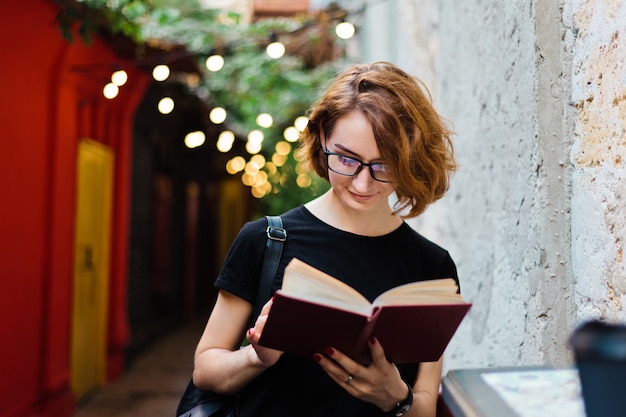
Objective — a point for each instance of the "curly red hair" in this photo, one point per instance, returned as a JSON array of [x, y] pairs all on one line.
[[411, 136]]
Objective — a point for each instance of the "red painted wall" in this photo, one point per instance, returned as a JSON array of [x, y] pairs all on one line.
[[50, 98]]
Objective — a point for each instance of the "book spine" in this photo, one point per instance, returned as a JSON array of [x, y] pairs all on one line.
[[360, 351]]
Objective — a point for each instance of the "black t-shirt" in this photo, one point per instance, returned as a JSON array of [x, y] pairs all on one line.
[[297, 386]]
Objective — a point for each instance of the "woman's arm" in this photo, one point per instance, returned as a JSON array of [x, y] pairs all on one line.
[[380, 382], [426, 390], [220, 364]]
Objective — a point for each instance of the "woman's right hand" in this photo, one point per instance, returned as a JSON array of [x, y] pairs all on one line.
[[221, 365], [266, 356]]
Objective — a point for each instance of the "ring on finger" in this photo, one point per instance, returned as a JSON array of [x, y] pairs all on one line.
[[349, 379]]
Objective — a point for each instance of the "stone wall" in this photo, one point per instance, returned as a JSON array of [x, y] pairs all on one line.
[[599, 150], [535, 217], [504, 221]]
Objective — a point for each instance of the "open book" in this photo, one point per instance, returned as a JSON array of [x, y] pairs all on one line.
[[312, 311]]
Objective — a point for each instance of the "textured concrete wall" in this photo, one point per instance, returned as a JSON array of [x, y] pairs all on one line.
[[535, 217], [599, 186], [506, 225]]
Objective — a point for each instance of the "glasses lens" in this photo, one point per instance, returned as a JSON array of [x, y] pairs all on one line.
[[342, 164], [345, 165], [380, 172]]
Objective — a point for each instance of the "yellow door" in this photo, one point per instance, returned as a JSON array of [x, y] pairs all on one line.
[[91, 266]]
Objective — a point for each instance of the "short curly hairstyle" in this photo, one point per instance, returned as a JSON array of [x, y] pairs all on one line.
[[411, 136]]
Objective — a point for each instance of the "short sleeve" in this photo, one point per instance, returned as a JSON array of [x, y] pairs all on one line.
[[240, 271]]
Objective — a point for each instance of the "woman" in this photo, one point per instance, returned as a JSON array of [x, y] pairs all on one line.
[[373, 133]]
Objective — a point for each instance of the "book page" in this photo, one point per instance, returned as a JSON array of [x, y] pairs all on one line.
[[436, 291], [364, 309], [417, 299], [302, 281]]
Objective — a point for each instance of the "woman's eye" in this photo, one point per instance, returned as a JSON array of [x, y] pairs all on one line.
[[348, 161], [380, 168]]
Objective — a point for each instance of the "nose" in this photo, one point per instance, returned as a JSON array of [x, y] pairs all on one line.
[[363, 179]]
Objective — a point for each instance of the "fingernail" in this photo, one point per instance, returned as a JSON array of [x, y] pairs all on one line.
[[317, 357], [372, 340], [330, 351]]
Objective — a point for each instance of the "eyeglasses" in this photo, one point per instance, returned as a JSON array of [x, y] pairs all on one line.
[[345, 165]]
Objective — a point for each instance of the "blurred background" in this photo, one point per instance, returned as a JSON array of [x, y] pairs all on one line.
[[139, 136]]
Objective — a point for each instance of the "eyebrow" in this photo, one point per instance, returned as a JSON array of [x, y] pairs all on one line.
[[356, 155]]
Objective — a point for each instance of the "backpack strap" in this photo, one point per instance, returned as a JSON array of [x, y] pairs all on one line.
[[276, 236]]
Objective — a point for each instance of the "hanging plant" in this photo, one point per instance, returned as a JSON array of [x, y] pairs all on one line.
[[249, 83]]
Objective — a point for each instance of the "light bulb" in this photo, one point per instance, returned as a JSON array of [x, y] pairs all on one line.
[[161, 72], [110, 91], [345, 30], [301, 123], [275, 50], [195, 139], [291, 134], [265, 120], [119, 78], [214, 63], [166, 105], [225, 141], [217, 115]]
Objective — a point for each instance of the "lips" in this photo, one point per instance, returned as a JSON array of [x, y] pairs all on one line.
[[361, 197]]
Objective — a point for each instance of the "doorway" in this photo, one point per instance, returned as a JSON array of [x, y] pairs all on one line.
[[91, 266]]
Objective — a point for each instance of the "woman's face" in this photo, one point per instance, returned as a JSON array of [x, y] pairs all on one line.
[[353, 137]]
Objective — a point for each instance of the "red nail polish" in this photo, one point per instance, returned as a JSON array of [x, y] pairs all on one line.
[[330, 351], [317, 357], [372, 340]]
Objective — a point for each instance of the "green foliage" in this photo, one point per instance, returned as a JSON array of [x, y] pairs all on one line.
[[122, 16], [281, 88], [289, 194], [250, 82]]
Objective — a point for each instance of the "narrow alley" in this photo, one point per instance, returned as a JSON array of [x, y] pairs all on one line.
[[153, 383]]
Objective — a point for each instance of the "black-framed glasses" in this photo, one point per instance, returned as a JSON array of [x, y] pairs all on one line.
[[346, 165]]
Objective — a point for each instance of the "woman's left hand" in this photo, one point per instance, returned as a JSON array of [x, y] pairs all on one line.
[[265, 355], [379, 383]]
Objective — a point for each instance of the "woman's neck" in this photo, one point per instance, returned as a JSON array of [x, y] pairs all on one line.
[[376, 222]]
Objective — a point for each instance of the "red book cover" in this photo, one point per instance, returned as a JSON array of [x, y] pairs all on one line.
[[408, 333], [313, 311]]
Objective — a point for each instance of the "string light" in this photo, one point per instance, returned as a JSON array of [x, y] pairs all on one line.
[[275, 50], [110, 91], [279, 160], [255, 136], [257, 181], [303, 181], [270, 167], [264, 120], [301, 123], [255, 142], [225, 141], [161, 72], [119, 78], [345, 30], [258, 160], [166, 105], [283, 148], [291, 134], [195, 139], [214, 63], [235, 165], [217, 115]]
